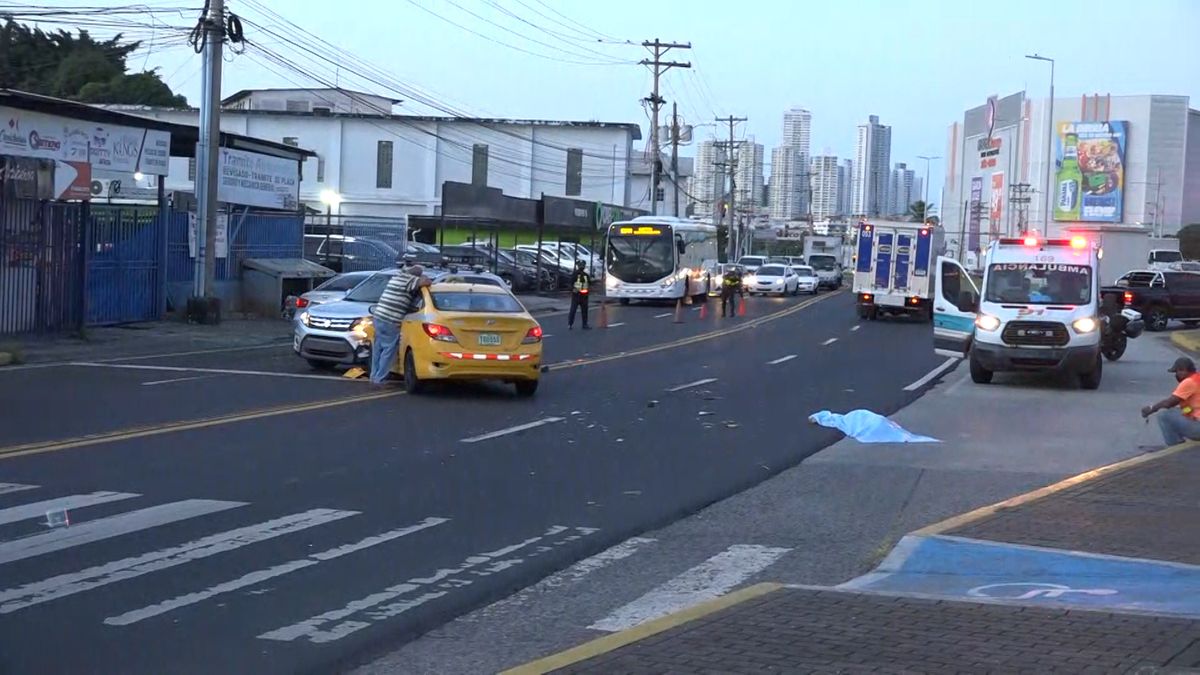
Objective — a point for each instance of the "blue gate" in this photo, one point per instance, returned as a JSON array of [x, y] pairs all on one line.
[[125, 252], [41, 266]]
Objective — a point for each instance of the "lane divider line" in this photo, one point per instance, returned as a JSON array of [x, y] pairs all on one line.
[[855, 327], [154, 383], [689, 385], [662, 316], [933, 374], [614, 325], [782, 359], [829, 342], [512, 430]]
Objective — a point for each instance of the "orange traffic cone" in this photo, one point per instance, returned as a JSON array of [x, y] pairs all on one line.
[[742, 307], [703, 311], [679, 311], [603, 322]]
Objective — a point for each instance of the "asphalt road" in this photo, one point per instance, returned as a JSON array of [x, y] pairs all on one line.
[[311, 539]]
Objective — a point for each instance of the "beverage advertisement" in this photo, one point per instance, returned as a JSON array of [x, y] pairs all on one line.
[[1090, 182]]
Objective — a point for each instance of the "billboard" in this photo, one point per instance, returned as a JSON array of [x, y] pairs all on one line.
[[254, 179], [997, 203], [1090, 178], [129, 149], [975, 213]]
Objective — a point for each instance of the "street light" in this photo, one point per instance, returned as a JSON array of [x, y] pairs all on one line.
[[1049, 143], [330, 198], [925, 199]]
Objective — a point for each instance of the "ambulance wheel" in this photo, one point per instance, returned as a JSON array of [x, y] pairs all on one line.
[[1091, 380], [979, 374]]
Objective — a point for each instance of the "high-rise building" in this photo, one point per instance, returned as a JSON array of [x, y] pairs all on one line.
[[786, 186], [845, 191], [900, 190], [797, 129], [797, 136], [825, 173], [749, 173], [872, 157], [708, 182]]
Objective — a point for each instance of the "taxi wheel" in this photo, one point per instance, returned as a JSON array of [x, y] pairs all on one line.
[[526, 388], [412, 383]]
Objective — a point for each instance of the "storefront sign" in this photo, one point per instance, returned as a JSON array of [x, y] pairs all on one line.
[[26, 178], [254, 179], [989, 150], [974, 218], [1090, 181], [72, 180], [118, 148]]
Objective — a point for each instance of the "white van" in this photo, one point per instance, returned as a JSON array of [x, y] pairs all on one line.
[[1039, 309]]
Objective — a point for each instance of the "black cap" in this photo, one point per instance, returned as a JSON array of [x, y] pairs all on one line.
[[1183, 365]]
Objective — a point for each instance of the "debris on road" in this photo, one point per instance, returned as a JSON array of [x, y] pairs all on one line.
[[704, 413], [651, 404], [730, 424], [865, 426]]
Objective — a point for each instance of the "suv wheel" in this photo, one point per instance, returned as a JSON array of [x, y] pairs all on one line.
[[1157, 318]]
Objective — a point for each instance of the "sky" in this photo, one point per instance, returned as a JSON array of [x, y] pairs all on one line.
[[917, 64]]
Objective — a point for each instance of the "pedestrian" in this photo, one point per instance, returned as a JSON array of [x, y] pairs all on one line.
[[397, 301], [581, 282], [1184, 424], [731, 288]]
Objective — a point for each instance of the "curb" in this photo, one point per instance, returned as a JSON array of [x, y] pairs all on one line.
[[608, 643], [1186, 339]]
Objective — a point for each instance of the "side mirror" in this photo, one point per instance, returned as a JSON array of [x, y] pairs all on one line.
[[681, 245], [967, 302]]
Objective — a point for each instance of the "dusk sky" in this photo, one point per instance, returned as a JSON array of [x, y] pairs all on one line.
[[917, 65]]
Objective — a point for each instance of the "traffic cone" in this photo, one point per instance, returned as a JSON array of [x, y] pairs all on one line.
[[679, 311], [742, 307], [603, 322], [703, 311]]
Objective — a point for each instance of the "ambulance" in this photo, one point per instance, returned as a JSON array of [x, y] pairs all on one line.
[[1039, 309]]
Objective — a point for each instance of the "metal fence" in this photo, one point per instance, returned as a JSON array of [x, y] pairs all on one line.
[[249, 235], [353, 243], [41, 266], [125, 254]]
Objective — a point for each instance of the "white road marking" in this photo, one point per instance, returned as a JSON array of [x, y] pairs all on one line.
[[614, 325], [177, 379], [260, 576], [689, 385], [214, 371], [512, 430], [705, 581], [855, 327], [218, 350], [372, 608], [829, 342], [6, 488], [63, 585], [37, 509], [782, 359], [948, 364], [106, 528], [663, 315]]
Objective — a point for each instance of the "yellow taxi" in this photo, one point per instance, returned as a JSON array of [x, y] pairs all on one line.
[[463, 331]]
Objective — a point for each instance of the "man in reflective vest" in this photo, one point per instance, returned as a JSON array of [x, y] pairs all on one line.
[[731, 288], [580, 283]]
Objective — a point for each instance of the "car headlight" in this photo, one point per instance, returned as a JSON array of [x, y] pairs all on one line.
[[359, 328], [610, 281], [987, 322], [750, 279], [1085, 325], [304, 318], [669, 282]]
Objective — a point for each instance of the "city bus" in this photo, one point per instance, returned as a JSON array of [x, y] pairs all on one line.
[[658, 258]]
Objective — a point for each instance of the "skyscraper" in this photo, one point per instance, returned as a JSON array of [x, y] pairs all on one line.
[[749, 173], [900, 190], [845, 193], [786, 174], [708, 184], [825, 174], [872, 158]]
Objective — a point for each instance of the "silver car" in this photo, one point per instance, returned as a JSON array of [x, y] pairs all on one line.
[[335, 333], [332, 290]]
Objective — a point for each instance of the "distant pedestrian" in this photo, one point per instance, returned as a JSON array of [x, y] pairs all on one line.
[[731, 288], [581, 283], [397, 301], [1184, 424]]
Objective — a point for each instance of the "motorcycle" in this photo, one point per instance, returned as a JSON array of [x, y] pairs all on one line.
[[1117, 327]]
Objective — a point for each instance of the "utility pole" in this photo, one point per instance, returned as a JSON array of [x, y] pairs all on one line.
[[207, 157], [657, 66], [675, 153], [731, 162]]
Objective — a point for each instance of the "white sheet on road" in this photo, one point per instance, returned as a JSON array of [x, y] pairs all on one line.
[[865, 426]]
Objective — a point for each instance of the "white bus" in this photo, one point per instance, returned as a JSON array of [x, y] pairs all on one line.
[[658, 258]]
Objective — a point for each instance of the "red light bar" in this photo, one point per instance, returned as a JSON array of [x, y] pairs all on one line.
[[1030, 241], [1078, 242]]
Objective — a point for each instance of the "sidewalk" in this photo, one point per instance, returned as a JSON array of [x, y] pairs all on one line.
[[1098, 573]]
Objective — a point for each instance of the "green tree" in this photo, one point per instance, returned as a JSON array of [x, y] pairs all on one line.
[[918, 210], [1189, 241], [76, 66]]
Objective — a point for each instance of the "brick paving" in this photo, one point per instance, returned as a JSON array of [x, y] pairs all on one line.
[[1148, 511], [825, 631]]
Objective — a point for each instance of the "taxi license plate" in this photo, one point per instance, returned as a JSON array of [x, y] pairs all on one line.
[[489, 339]]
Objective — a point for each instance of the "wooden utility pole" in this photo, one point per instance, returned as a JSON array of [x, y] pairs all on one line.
[[657, 68]]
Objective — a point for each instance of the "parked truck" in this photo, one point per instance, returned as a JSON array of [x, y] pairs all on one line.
[[893, 264], [823, 253]]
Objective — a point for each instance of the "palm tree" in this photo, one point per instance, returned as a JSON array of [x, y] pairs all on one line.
[[918, 210]]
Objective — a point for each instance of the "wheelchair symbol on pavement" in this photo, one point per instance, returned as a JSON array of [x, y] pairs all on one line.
[[1030, 591]]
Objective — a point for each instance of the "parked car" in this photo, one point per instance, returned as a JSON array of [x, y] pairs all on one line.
[[1160, 296], [772, 279], [553, 275], [517, 276], [334, 289], [807, 280], [751, 263], [339, 333], [341, 253]]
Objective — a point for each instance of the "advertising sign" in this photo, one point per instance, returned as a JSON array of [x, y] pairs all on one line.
[[975, 213], [222, 235], [26, 178], [254, 179], [72, 180], [997, 202], [1090, 181], [30, 134]]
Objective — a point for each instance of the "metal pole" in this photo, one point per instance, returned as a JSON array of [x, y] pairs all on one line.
[[675, 153], [925, 199], [1049, 150], [210, 137]]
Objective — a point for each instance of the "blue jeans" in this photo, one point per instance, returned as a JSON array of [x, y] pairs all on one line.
[[383, 350], [1176, 428]]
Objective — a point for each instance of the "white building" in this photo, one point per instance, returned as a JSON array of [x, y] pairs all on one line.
[[639, 186], [750, 178], [1149, 174], [872, 157], [826, 185], [845, 187], [708, 181], [384, 164], [900, 190], [797, 134], [787, 188]]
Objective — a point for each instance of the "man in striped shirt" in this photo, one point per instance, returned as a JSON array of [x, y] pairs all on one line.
[[397, 300]]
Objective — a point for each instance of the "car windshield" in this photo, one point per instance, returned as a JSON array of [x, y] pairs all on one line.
[[640, 258], [342, 282], [1039, 283], [466, 301], [822, 262], [770, 271], [371, 289], [751, 260], [1166, 256]]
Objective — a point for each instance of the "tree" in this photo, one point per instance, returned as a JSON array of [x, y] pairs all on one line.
[[918, 210], [1189, 241], [77, 67]]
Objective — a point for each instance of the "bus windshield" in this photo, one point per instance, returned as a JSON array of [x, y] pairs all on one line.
[[822, 262], [641, 258], [1039, 284]]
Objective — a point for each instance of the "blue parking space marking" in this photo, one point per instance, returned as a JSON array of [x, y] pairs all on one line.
[[968, 569]]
